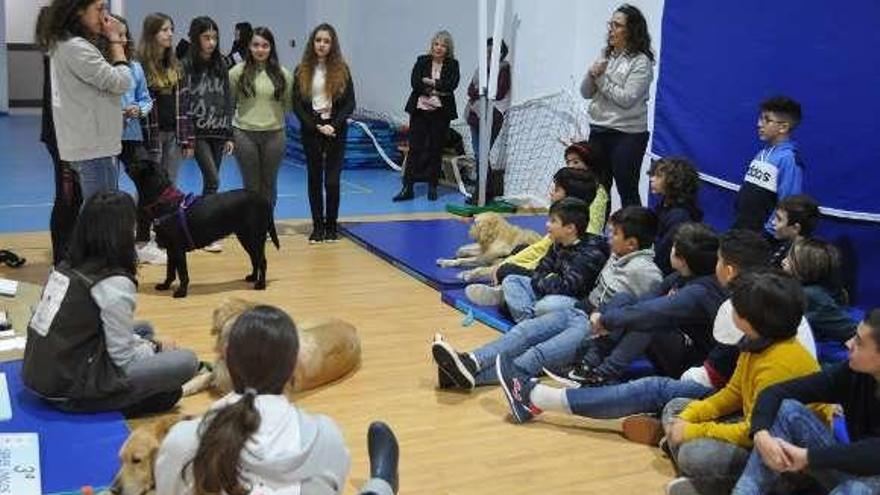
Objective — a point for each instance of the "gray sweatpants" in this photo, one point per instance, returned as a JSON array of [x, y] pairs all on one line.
[[259, 155]]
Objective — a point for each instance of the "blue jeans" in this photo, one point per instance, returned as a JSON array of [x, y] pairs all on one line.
[[712, 465], [96, 175], [800, 426], [645, 395], [523, 303], [550, 340]]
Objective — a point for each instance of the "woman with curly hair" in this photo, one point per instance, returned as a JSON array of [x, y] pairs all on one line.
[[261, 87], [431, 106], [85, 124], [169, 131], [675, 181], [617, 85], [323, 99]]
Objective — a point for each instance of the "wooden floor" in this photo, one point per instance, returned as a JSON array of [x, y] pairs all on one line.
[[462, 443]]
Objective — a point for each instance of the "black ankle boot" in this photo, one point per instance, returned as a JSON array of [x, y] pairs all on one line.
[[317, 236], [330, 233], [384, 453], [405, 194], [432, 192]]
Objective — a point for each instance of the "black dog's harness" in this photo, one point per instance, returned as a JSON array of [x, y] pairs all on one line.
[[180, 203]]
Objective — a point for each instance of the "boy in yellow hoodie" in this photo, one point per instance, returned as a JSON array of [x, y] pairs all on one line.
[[708, 440]]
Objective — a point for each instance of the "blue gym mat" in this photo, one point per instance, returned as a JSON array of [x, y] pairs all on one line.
[[75, 449], [415, 245]]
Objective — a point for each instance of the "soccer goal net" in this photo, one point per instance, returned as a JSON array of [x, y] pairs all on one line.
[[531, 143]]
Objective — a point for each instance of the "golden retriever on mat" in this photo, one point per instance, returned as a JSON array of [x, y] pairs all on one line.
[[328, 350], [496, 239]]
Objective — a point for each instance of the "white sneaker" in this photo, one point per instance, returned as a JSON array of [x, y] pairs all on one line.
[[681, 486], [214, 247], [151, 254], [484, 295]]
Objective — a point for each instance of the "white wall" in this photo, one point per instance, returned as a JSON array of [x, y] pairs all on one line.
[[382, 38], [4, 85], [284, 18], [21, 18]]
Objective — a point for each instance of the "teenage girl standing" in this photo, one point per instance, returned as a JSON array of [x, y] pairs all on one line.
[[323, 99]]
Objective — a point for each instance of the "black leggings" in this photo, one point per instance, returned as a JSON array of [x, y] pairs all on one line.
[[133, 152], [624, 152], [65, 210], [324, 157]]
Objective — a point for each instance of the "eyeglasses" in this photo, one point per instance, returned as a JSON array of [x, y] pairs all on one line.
[[616, 25], [766, 120]]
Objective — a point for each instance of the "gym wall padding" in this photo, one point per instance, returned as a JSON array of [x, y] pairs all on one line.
[[719, 60]]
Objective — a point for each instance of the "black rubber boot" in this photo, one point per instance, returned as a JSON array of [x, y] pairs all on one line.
[[384, 453]]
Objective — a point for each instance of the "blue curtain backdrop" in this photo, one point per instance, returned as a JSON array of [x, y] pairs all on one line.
[[720, 59]]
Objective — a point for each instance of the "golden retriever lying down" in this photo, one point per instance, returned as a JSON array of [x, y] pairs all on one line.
[[137, 457], [495, 239], [328, 350]]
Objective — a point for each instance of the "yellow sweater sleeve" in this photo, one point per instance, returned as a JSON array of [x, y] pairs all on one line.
[[529, 257], [726, 401], [597, 212], [754, 372]]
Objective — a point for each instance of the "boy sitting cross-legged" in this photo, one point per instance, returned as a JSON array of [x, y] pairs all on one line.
[[553, 339], [673, 325], [566, 273], [709, 439], [790, 438]]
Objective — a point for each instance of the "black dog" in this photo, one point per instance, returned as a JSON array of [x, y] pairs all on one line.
[[184, 223]]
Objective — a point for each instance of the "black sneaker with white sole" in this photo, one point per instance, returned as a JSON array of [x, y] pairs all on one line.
[[460, 368]]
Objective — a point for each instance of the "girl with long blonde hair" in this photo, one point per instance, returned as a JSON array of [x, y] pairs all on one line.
[[169, 130]]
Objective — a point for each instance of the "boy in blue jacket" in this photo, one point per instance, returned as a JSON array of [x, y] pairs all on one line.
[[674, 325], [776, 171]]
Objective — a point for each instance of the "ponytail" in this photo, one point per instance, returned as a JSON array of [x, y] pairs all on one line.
[[223, 436]]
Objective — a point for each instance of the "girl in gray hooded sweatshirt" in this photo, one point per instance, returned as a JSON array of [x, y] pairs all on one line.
[[255, 440]]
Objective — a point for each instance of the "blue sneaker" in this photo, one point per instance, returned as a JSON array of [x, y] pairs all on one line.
[[517, 388]]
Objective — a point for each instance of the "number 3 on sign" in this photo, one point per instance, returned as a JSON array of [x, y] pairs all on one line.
[[19, 464], [26, 471]]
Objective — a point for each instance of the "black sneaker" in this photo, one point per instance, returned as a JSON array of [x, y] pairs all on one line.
[[594, 378], [580, 372], [317, 236], [517, 389], [460, 368], [444, 381], [330, 234]]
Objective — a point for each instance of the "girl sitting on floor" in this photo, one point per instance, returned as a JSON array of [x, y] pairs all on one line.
[[84, 350]]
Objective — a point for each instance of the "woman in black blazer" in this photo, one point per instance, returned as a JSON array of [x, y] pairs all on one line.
[[323, 99], [431, 107]]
